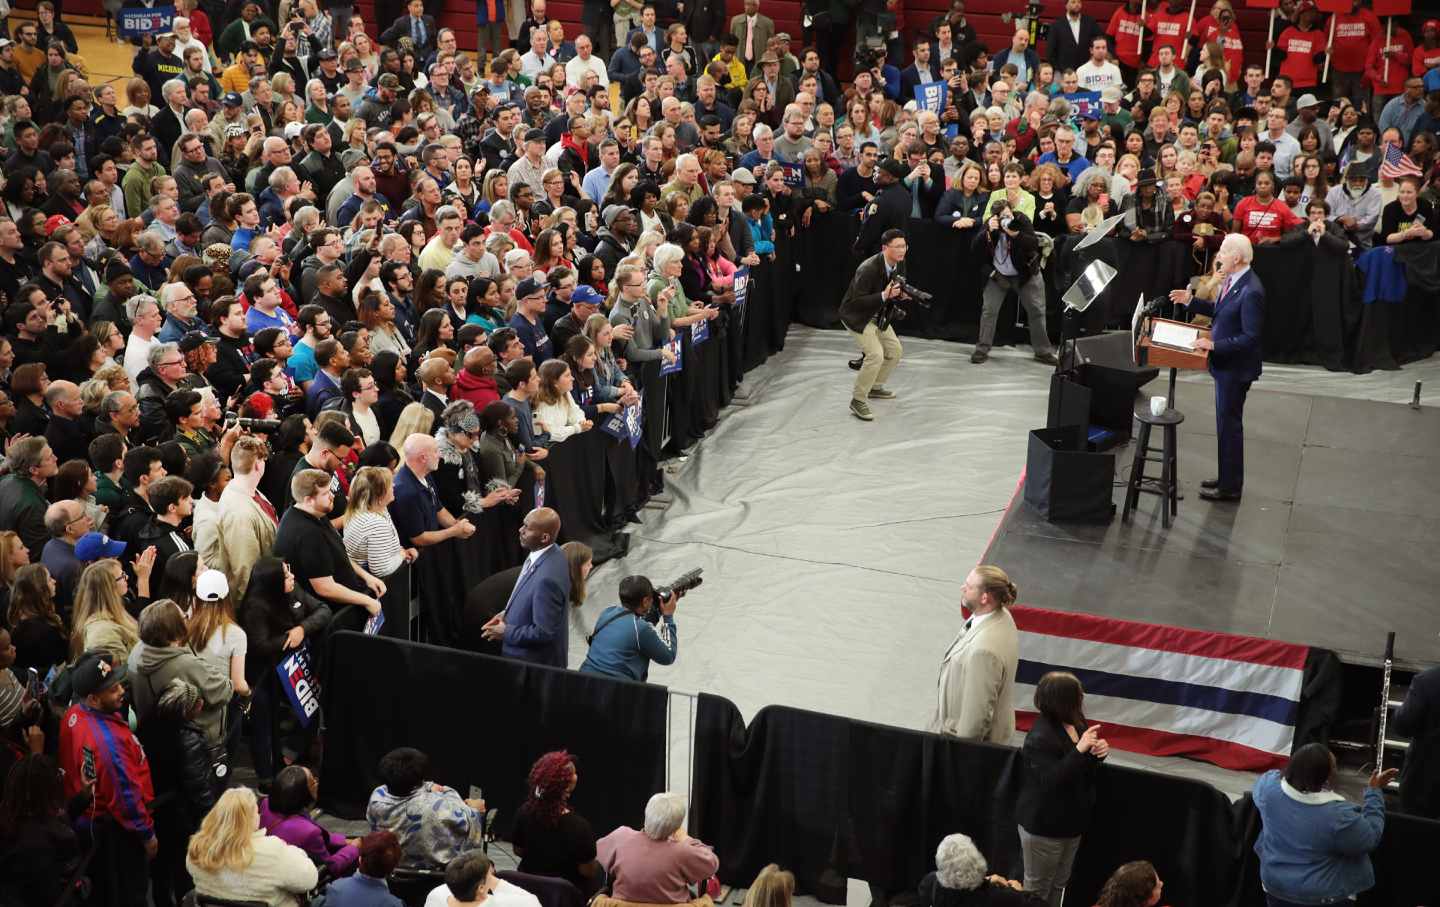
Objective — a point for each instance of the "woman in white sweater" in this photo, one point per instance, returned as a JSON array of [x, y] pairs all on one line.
[[370, 536], [231, 857], [556, 412]]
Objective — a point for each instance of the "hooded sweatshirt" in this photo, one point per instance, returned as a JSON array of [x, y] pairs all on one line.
[[153, 667], [480, 390]]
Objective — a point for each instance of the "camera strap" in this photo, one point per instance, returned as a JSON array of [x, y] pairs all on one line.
[[590, 640]]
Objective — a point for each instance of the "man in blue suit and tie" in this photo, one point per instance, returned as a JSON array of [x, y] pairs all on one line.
[[1238, 315], [532, 627]]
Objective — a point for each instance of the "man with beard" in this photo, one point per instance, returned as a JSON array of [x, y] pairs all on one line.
[[99, 755], [56, 278]]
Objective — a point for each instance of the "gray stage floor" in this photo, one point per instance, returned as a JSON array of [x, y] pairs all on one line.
[[834, 550]]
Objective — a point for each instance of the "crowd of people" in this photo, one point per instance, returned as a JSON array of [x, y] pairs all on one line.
[[323, 311]]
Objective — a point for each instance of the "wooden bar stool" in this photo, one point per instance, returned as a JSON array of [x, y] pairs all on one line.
[[1167, 484]]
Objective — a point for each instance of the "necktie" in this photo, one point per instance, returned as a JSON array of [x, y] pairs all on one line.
[[267, 507], [524, 572], [750, 39], [417, 31], [1224, 288]]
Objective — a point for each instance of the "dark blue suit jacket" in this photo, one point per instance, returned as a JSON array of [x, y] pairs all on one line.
[[535, 627], [1238, 321]]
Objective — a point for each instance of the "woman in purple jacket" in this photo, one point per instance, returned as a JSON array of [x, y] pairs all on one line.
[[285, 814]]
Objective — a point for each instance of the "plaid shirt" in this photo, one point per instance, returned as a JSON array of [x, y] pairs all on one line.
[[471, 129]]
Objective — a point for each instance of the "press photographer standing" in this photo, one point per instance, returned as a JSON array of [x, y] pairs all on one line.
[[867, 297], [1010, 243], [625, 641]]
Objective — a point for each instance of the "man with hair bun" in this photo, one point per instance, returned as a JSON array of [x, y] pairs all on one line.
[[976, 689]]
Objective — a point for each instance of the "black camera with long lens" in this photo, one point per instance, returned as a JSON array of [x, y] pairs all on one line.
[[685, 583], [260, 426]]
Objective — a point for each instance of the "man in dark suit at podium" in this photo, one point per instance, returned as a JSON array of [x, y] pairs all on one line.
[[1238, 315]]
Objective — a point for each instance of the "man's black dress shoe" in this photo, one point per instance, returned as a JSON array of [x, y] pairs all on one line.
[[1218, 494], [1210, 483]]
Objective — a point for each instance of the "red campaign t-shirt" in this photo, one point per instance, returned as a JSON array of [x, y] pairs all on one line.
[[1260, 221], [1168, 30], [1207, 30], [1399, 50], [1425, 59], [1353, 34], [1299, 48], [1125, 29]]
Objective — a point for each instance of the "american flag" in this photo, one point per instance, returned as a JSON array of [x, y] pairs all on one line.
[[1396, 163]]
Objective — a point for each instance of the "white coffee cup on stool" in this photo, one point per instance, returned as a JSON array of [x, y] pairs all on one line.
[[1157, 406]]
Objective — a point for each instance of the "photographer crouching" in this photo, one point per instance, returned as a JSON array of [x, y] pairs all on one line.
[[639, 630], [870, 303]]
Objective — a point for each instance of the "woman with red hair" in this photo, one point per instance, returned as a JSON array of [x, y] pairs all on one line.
[[550, 838]]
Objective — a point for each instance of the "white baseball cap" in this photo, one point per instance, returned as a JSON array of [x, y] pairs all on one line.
[[211, 586]]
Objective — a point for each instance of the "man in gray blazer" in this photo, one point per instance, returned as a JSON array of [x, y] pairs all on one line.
[[976, 690]]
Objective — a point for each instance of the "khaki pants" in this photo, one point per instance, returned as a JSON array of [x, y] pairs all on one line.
[[882, 353]]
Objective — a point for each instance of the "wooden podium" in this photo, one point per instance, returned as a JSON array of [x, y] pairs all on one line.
[[1149, 352]]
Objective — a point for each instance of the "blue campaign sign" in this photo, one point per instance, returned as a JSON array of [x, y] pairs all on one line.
[[628, 424], [931, 96], [297, 679], [699, 332], [135, 21], [1084, 102], [794, 174], [742, 288], [671, 368]]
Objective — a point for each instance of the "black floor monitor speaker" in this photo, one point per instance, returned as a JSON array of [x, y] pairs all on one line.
[[1112, 350], [1066, 482]]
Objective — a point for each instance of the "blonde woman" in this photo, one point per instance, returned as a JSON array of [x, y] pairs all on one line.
[[773, 887], [100, 620], [371, 539], [232, 857], [415, 418], [214, 634]]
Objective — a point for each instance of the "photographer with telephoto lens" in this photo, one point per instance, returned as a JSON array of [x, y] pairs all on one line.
[[639, 630]]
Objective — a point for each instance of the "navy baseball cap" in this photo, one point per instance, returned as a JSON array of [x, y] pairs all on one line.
[[233, 100], [529, 287]]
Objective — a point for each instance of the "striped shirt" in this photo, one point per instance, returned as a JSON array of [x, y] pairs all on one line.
[[372, 542]]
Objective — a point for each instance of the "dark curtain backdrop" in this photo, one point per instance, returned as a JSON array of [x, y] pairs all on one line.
[[1313, 310], [830, 798], [485, 720]]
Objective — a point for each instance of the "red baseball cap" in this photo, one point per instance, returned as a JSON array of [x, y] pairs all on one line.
[[55, 222]]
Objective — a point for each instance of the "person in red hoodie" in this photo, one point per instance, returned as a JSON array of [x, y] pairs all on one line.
[[98, 750], [1427, 52], [475, 381], [1354, 32], [1388, 81], [1167, 27], [1302, 48]]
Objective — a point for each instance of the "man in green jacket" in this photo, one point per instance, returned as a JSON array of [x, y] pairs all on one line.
[[137, 180], [22, 495]]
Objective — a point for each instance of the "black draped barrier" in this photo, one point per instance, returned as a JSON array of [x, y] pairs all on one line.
[[831, 798], [1315, 311], [575, 480], [484, 720]]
